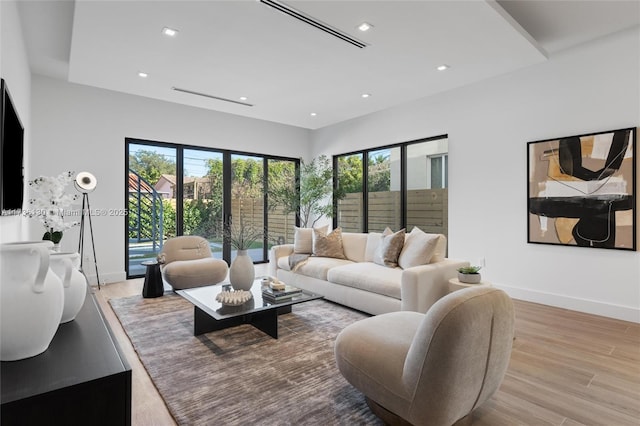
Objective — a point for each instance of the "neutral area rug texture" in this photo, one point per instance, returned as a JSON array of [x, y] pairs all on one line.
[[241, 376]]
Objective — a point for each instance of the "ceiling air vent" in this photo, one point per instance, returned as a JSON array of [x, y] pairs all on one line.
[[218, 98], [313, 22]]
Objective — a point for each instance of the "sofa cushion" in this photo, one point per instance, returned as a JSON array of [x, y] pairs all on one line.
[[318, 267], [354, 244], [389, 248], [195, 273], [303, 239], [369, 277], [418, 248], [328, 245]]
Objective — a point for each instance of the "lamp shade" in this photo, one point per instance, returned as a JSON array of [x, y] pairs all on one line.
[[85, 182]]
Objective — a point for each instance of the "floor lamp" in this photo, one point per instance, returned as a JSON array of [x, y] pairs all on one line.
[[85, 182]]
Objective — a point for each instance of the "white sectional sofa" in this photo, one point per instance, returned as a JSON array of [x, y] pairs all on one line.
[[360, 283]]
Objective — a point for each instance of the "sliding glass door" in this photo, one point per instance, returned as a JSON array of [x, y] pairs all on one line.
[[247, 201], [202, 197], [151, 191], [186, 190]]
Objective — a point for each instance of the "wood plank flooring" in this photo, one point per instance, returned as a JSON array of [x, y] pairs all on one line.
[[567, 368]]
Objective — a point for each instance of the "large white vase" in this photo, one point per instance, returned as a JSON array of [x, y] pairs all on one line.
[[66, 267], [31, 299], [241, 272]]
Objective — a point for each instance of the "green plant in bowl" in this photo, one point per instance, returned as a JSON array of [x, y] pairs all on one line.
[[469, 269]]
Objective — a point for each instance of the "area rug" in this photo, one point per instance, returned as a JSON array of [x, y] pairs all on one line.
[[241, 376]]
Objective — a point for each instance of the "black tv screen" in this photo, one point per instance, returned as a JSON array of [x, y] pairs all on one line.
[[11, 155]]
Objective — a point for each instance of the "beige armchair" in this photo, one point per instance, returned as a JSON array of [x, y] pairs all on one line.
[[433, 368], [187, 262]]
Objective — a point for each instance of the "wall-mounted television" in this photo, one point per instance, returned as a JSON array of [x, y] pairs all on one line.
[[11, 155]]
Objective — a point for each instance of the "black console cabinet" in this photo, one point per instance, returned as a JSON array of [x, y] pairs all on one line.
[[82, 379]]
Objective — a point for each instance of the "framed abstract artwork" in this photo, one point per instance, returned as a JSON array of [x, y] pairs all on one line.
[[582, 190]]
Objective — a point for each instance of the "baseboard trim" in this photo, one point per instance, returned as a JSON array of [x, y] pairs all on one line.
[[110, 277], [625, 313]]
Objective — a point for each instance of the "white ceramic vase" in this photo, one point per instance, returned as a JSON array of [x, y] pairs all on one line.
[[66, 267], [241, 272], [31, 299]]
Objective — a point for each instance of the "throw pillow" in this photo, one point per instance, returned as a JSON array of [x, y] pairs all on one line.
[[328, 245], [303, 239], [389, 249], [418, 248]]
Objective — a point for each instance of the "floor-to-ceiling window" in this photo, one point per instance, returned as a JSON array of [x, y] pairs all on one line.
[[398, 186], [247, 198], [280, 223], [202, 197], [187, 190], [151, 179]]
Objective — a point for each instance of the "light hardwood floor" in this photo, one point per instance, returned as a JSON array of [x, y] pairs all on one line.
[[567, 368]]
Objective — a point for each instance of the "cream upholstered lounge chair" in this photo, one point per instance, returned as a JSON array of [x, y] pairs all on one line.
[[187, 263], [433, 368]]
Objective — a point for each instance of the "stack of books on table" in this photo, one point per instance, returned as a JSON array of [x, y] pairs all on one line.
[[271, 295]]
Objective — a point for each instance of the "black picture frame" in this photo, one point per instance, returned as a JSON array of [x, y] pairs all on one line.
[[581, 190]]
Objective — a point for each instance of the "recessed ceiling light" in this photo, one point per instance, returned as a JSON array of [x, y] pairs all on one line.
[[143, 74], [169, 32], [443, 67], [365, 26], [366, 95], [243, 98], [313, 114]]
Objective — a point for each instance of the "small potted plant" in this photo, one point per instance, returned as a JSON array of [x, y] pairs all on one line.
[[469, 274]]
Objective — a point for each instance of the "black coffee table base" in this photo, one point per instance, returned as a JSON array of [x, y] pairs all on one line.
[[265, 321]]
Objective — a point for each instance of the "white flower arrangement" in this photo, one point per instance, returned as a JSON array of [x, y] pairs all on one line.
[[51, 202]]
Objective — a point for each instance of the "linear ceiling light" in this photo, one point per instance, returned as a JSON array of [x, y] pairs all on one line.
[[313, 22], [192, 92]]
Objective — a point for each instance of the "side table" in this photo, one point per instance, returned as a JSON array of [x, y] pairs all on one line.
[[153, 286], [455, 284]]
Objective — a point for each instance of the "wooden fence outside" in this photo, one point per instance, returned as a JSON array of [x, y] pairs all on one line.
[[426, 209], [281, 226]]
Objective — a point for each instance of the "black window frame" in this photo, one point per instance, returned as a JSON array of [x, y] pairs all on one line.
[[227, 173], [365, 189]]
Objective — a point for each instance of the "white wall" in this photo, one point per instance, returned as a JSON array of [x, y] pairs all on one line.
[[14, 68], [590, 88], [80, 128]]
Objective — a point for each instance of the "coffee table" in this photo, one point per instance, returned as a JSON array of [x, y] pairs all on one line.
[[210, 315]]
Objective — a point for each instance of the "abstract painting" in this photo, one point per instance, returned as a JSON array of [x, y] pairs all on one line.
[[581, 190]]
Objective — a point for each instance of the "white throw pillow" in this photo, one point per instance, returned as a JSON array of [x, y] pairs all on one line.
[[303, 239], [389, 249], [418, 249]]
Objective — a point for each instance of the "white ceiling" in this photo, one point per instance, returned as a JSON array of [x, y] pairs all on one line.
[[288, 69]]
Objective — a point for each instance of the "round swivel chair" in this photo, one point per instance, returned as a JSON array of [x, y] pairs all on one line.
[[187, 262]]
